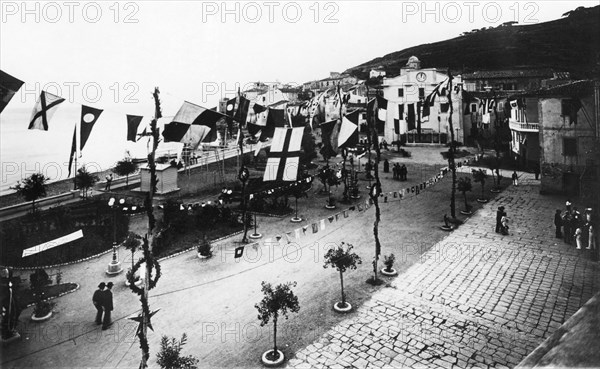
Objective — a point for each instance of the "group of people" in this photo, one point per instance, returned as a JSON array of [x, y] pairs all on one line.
[[501, 221], [571, 226], [400, 171], [103, 301]]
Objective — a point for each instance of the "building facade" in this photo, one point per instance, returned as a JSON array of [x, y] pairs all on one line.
[[570, 139], [409, 89]]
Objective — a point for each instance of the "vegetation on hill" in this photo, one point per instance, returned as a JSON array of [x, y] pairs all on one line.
[[571, 43]]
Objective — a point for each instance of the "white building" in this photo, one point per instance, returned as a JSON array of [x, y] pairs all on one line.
[[412, 86]]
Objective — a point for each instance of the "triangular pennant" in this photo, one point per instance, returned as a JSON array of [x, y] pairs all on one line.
[[133, 122], [89, 116], [322, 223], [315, 228], [331, 218], [43, 110], [304, 228], [297, 232], [345, 213], [239, 251]]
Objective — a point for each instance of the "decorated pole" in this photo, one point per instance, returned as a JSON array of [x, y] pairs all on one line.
[[375, 191], [452, 151], [148, 258]]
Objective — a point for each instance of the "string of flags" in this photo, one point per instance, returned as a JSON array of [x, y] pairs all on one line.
[[322, 224]]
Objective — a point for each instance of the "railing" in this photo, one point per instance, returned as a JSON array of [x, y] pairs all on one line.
[[524, 127]]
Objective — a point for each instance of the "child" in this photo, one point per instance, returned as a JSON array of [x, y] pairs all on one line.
[[504, 222]]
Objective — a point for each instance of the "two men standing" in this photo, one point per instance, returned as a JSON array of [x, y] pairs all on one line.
[[103, 301]]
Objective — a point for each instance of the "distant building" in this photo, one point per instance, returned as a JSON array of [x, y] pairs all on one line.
[[506, 80], [410, 88], [377, 72]]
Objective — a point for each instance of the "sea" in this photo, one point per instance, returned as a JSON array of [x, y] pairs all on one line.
[[24, 152]]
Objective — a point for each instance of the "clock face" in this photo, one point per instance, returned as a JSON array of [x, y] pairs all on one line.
[[421, 76]]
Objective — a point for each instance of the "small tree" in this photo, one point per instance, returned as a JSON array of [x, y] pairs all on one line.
[[479, 176], [132, 243], [125, 167], [464, 185], [32, 188], [169, 356], [342, 258], [276, 301], [85, 180]]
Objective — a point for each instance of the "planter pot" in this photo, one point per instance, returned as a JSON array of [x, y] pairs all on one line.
[[330, 207], [42, 318], [446, 228], [391, 273], [339, 309], [482, 201], [255, 236], [464, 212], [355, 197], [200, 256], [296, 220], [272, 363]]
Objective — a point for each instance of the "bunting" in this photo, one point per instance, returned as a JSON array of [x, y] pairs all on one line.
[[44, 110], [9, 86]]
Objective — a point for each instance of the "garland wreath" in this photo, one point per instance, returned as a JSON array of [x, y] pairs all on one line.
[[140, 291]]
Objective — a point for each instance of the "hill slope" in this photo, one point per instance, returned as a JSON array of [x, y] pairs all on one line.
[[569, 44]]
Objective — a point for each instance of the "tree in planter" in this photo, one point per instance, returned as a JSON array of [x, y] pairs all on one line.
[[479, 176], [342, 258], [388, 261], [132, 243], [204, 247], [85, 180], [276, 301], [38, 280], [125, 168], [32, 188], [464, 185], [169, 356]]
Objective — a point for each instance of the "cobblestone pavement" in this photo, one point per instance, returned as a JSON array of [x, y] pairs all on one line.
[[476, 299]]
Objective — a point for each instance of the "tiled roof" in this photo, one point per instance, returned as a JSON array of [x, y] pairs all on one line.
[[524, 73], [575, 89]]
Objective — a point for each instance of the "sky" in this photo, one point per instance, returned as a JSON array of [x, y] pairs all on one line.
[[111, 54]]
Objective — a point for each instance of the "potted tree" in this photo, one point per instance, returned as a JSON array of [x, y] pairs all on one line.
[[43, 309], [132, 243], [169, 356], [276, 301], [204, 248], [479, 176], [342, 258], [388, 261], [464, 185]]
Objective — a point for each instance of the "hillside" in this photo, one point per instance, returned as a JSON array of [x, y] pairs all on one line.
[[571, 43]]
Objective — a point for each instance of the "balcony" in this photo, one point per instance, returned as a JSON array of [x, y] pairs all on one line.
[[524, 127]]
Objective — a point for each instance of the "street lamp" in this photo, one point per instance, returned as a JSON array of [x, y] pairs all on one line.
[[114, 267], [243, 176]]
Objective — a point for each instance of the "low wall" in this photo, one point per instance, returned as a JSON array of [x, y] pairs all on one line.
[[16, 210]]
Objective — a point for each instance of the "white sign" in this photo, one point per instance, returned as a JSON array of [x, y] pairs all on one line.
[[50, 244]]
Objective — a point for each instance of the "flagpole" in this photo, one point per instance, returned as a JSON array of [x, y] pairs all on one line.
[[452, 150], [344, 152]]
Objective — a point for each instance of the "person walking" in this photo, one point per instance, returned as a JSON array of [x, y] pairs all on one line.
[[499, 214], [515, 178], [403, 172], [98, 303], [395, 170], [536, 172], [108, 305], [386, 166], [558, 223]]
